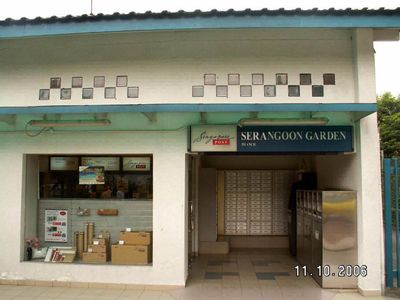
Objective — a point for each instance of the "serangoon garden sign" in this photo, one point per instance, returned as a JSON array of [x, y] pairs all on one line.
[[271, 139]]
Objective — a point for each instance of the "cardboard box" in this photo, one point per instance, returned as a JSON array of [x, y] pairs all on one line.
[[135, 237], [130, 254], [101, 241], [97, 248], [94, 258], [105, 235]]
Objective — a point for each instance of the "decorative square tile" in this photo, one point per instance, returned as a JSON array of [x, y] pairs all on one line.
[[44, 94], [109, 93], [270, 275], [294, 91], [317, 90], [213, 275], [210, 79], [305, 79], [245, 91], [281, 78], [257, 79], [55, 82], [233, 79], [65, 94], [122, 80], [133, 92], [77, 82], [99, 81], [87, 93], [269, 90], [329, 79], [222, 91], [197, 91]]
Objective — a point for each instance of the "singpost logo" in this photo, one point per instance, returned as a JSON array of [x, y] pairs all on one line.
[[216, 140]]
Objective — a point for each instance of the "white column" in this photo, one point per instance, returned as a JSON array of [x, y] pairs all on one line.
[[369, 202], [364, 65]]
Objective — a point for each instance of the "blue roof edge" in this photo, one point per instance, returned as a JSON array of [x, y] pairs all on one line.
[[16, 30], [227, 107]]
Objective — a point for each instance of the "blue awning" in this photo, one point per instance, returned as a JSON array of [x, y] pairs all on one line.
[[359, 109]]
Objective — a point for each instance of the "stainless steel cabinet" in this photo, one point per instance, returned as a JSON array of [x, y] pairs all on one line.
[[327, 235]]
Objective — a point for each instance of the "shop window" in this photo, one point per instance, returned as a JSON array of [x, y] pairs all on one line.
[[91, 209]]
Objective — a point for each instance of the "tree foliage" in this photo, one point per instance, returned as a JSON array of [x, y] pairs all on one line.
[[389, 124]]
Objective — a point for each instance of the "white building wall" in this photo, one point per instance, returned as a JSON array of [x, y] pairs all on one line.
[[166, 65], [169, 206]]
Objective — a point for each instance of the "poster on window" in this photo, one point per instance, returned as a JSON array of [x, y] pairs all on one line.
[[56, 225], [136, 163], [91, 175], [109, 163]]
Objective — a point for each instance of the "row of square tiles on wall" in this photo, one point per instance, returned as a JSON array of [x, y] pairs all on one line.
[[247, 90], [280, 79], [98, 81], [209, 79], [87, 93], [121, 81]]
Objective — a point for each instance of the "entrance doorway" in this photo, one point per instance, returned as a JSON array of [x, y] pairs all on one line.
[[243, 221]]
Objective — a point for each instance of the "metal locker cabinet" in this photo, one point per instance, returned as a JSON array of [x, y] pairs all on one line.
[[316, 238], [299, 229]]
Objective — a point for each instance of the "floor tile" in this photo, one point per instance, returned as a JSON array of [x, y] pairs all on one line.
[[270, 275]]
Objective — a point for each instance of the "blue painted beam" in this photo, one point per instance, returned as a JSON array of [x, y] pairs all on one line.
[[363, 108], [388, 222], [196, 23]]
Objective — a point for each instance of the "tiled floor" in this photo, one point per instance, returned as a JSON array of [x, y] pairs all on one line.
[[249, 275]]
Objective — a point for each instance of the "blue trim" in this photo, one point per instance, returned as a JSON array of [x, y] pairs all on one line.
[[364, 108], [193, 23], [396, 188], [388, 222]]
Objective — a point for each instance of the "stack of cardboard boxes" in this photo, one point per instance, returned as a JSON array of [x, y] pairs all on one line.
[[99, 250], [133, 248]]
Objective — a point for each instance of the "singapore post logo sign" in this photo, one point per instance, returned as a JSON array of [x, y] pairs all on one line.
[[209, 138]]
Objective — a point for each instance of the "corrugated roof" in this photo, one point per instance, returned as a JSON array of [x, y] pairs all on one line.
[[204, 14]]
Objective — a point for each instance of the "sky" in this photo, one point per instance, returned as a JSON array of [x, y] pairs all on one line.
[[387, 56]]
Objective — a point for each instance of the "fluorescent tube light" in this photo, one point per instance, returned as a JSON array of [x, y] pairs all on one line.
[[69, 123], [290, 121]]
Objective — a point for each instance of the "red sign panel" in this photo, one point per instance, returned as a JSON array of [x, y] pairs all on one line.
[[221, 142]]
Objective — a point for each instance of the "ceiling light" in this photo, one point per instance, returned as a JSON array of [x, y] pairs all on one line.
[[290, 121], [69, 123]]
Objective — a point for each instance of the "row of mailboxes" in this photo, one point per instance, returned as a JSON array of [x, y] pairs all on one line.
[[327, 236]]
